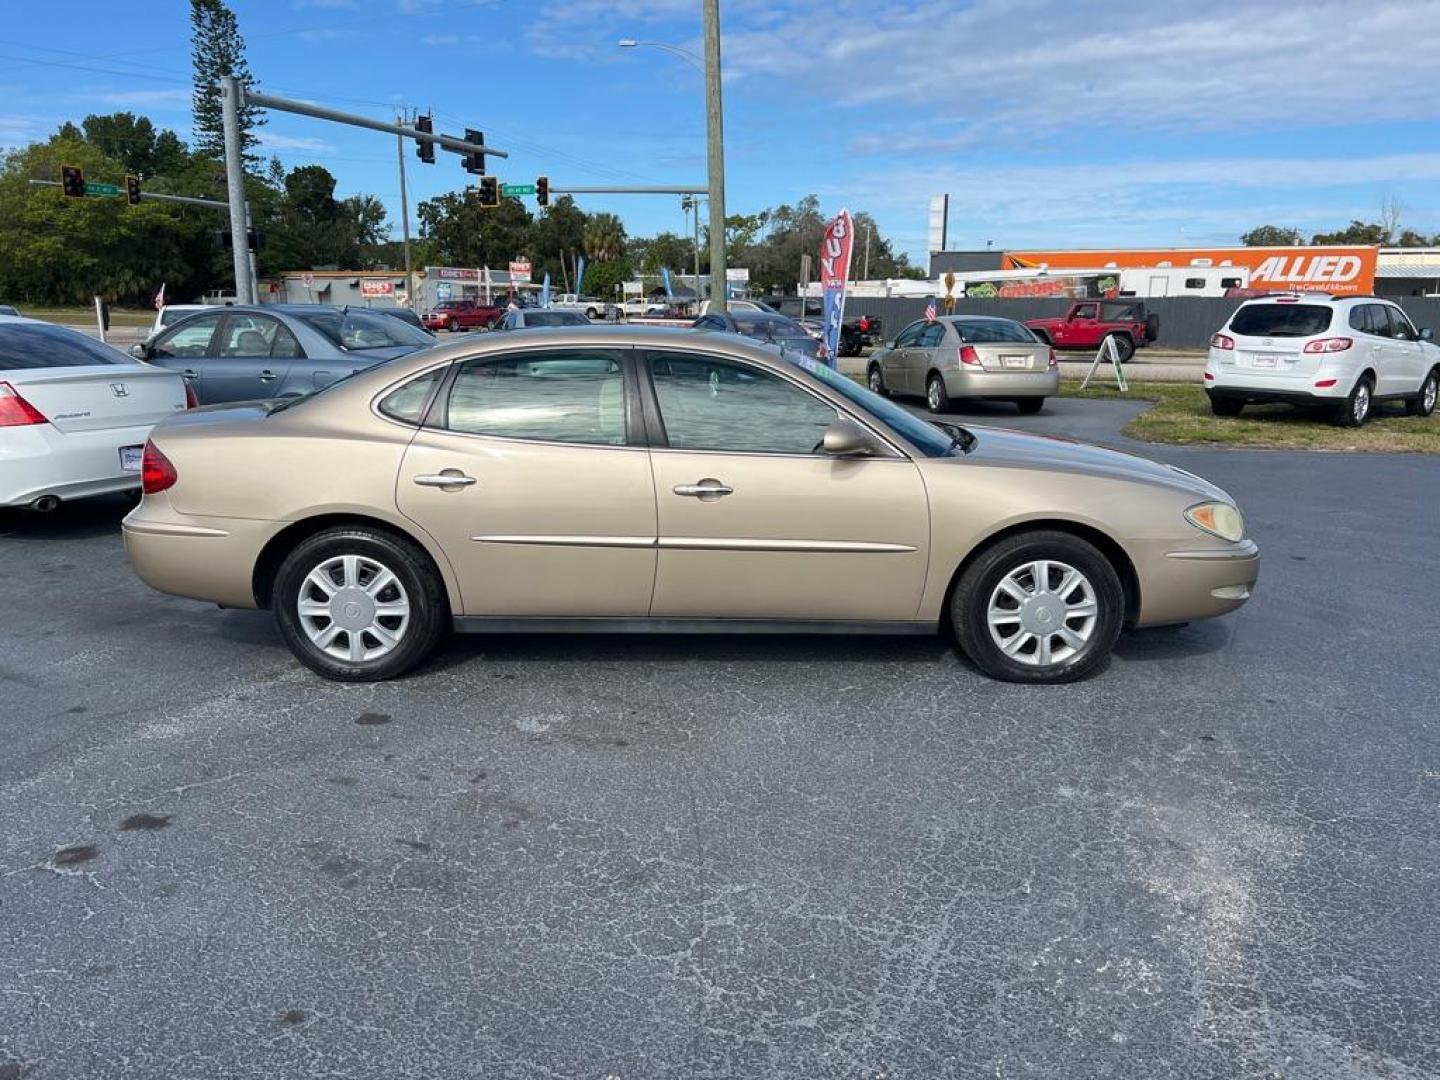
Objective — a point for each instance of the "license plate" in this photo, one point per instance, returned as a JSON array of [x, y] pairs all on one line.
[[1260, 361], [130, 457], [1015, 361]]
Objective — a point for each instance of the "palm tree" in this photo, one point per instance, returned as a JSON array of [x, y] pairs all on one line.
[[604, 238]]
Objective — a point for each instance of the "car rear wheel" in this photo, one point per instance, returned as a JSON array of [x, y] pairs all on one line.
[[359, 605], [875, 379], [1038, 607], [452, 325], [1124, 347], [1423, 404], [936, 396], [1029, 406], [1226, 406], [1356, 409]]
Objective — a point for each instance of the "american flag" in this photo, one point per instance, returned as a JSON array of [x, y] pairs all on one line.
[[930, 310]]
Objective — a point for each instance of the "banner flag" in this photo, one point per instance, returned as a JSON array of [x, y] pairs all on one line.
[[835, 251]]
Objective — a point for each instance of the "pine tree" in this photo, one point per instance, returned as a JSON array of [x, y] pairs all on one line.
[[218, 50]]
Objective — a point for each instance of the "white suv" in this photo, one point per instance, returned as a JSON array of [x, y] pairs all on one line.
[[1343, 353]]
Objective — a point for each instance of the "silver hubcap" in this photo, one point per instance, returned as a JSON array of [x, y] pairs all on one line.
[[1362, 401], [874, 380], [1432, 387], [934, 394], [353, 608], [1042, 613]]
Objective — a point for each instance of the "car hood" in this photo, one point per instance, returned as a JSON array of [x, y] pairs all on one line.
[[1017, 449]]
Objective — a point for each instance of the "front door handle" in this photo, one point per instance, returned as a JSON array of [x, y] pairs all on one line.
[[189, 374], [267, 375], [451, 478], [707, 489]]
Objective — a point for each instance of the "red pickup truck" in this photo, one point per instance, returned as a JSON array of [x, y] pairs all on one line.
[[1089, 322], [461, 315]]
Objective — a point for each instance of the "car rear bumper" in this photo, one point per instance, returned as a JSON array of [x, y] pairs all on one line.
[[1195, 582], [203, 558], [1003, 384], [40, 460], [1246, 384]]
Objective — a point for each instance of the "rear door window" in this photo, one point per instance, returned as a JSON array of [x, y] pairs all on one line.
[[932, 336], [40, 346], [1281, 320], [570, 396]]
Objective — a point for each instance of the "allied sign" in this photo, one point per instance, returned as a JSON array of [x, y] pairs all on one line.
[[377, 288], [1333, 269], [835, 251]]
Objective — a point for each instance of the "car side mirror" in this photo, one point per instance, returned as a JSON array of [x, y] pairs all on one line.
[[1426, 334], [846, 438], [138, 351]]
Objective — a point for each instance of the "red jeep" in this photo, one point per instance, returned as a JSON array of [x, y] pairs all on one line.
[[461, 315], [1089, 322]]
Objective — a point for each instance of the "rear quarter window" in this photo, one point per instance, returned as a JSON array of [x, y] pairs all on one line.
[[1281, 320]]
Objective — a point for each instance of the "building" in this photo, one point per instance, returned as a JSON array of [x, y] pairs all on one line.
[[338, 288], [1408, 272]]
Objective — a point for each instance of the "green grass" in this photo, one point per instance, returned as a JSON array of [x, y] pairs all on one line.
[[85, 316], [1181, 415]]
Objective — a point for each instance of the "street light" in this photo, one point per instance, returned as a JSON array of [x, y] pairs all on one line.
[[714, 137]]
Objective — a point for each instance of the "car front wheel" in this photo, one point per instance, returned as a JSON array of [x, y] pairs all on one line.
[[875, 378], [359, 605], [1423, 404], [1038, 607]]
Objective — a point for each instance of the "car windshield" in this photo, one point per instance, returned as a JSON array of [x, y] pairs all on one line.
[[357, 330], [1281, 320], [35, 345], [555, 318], [981, 331], [927, 438]]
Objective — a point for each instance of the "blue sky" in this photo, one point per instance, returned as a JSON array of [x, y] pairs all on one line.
[[1050, 122]]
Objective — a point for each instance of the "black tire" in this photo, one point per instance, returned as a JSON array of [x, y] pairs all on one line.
[[1152, 328], [937, 398], [875, 379], [591, 314], [971, 598], [1029, 406], [452, 326], [429, 610], [1358, 406], [1423, 403], [1226, 406], [1124, 347]]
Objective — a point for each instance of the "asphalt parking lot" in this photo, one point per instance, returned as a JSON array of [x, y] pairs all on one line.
[[710, 857]]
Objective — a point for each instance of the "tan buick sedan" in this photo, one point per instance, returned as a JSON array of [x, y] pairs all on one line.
[[614, 479]]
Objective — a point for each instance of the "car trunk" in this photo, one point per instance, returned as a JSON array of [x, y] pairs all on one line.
[[100, 397], [1012, 355], [1275, 356]]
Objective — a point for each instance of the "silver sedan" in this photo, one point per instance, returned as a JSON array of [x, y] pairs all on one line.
[[966, 356]]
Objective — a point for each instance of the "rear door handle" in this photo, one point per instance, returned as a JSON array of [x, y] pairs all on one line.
[[445, 480], [705, 489], [188, 374], [267, 375]]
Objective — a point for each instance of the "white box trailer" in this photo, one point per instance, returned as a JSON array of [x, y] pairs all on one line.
[[1156, 281]]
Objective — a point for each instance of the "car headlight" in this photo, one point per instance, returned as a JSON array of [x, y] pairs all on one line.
[[1218, 519]]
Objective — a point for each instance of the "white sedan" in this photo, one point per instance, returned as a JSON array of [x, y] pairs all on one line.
[[74, 414]]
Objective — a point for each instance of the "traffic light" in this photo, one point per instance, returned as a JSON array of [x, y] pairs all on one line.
[[542, 190], [132, 190], [425, 150], [489, 191], [72, 181], [474, 162]]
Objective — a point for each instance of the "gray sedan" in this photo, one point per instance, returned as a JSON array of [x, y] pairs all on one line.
[[525, 318], [277, 350], [966, 356], [763, 326]]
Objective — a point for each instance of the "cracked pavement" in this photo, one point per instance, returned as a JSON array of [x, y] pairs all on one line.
[[711, 857]]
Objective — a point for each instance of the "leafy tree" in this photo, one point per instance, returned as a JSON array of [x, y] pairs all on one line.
[[467, 234], [218, 50], [602, 277], [677, 253], [559, 229], [604, 238], [1358, 232], [1271, 236], [1410, 238]]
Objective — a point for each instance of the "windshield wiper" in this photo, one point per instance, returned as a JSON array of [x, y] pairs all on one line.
[[959, 436]]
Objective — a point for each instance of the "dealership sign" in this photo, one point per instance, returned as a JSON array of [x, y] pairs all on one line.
[[520, 270], [377, 288], [452, 273], [835, 252], [1335, 269]]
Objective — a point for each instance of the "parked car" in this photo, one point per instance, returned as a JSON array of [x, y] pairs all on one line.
[[404, 314], [1089, 322], [170, 314], [966, 356], [856, 332], [6, 309], [763, 326], [523, 318], [245, 353], [592, 307], [456, 315], [614, 478], [74, 414], [1337, 353], [637, 307]]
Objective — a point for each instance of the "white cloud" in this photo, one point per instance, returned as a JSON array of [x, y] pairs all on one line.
[[176, 99], [273, 141], [434, 40]]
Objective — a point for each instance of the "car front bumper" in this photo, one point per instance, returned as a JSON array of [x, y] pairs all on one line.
[[1001, 384], [1183, 584]]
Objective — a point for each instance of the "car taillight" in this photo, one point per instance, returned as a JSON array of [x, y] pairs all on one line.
[[15, 411], [191, 401], [1328, 344], [1222, 341], [1053, 362], [968, 355], [156, 472]]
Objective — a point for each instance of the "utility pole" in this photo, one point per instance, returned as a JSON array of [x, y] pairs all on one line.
[[235, 186], [865, 274], [405, 220], [696, 203], [715, 138]]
